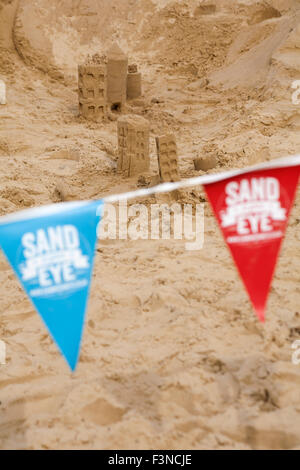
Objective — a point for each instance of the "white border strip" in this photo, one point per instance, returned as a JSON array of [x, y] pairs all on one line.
[[160, 188]]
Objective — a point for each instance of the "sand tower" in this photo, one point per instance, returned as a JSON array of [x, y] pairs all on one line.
[[167, 158], [117, 65], [92, 89], [134, 82], [133, 140]]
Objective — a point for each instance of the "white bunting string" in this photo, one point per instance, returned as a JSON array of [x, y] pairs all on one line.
[[160, 188], [200, 180]]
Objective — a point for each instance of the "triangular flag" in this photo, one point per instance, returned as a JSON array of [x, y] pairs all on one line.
[[252, 209], [51, 250]]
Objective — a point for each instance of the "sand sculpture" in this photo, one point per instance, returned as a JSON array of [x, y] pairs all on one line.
[[167, 158], [2, 92], [117, 64], [92, 89], [133, 141], [134, 82], [104, 84], [205, 163]]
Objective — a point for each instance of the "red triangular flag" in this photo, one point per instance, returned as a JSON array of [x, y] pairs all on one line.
[[252, 209]]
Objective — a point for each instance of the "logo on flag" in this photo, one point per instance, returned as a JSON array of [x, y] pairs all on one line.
[[252, 208], [52, 261]]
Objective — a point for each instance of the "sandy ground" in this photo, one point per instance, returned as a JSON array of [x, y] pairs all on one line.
[[172, 354]]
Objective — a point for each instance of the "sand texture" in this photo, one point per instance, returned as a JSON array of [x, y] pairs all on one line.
[[172, 354]]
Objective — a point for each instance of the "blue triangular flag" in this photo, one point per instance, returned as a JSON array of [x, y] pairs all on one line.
[[51, 250]]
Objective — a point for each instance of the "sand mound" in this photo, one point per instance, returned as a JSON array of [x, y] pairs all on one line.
[[56, 38], [252, 53]]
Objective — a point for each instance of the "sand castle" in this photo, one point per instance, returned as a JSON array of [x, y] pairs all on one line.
[[133, 141], [133, 149], [92, 89], [134, 82], [167, 158], [117, 64], [105, 83]]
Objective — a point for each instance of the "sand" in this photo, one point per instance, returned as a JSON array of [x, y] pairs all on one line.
[[172, 355]]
